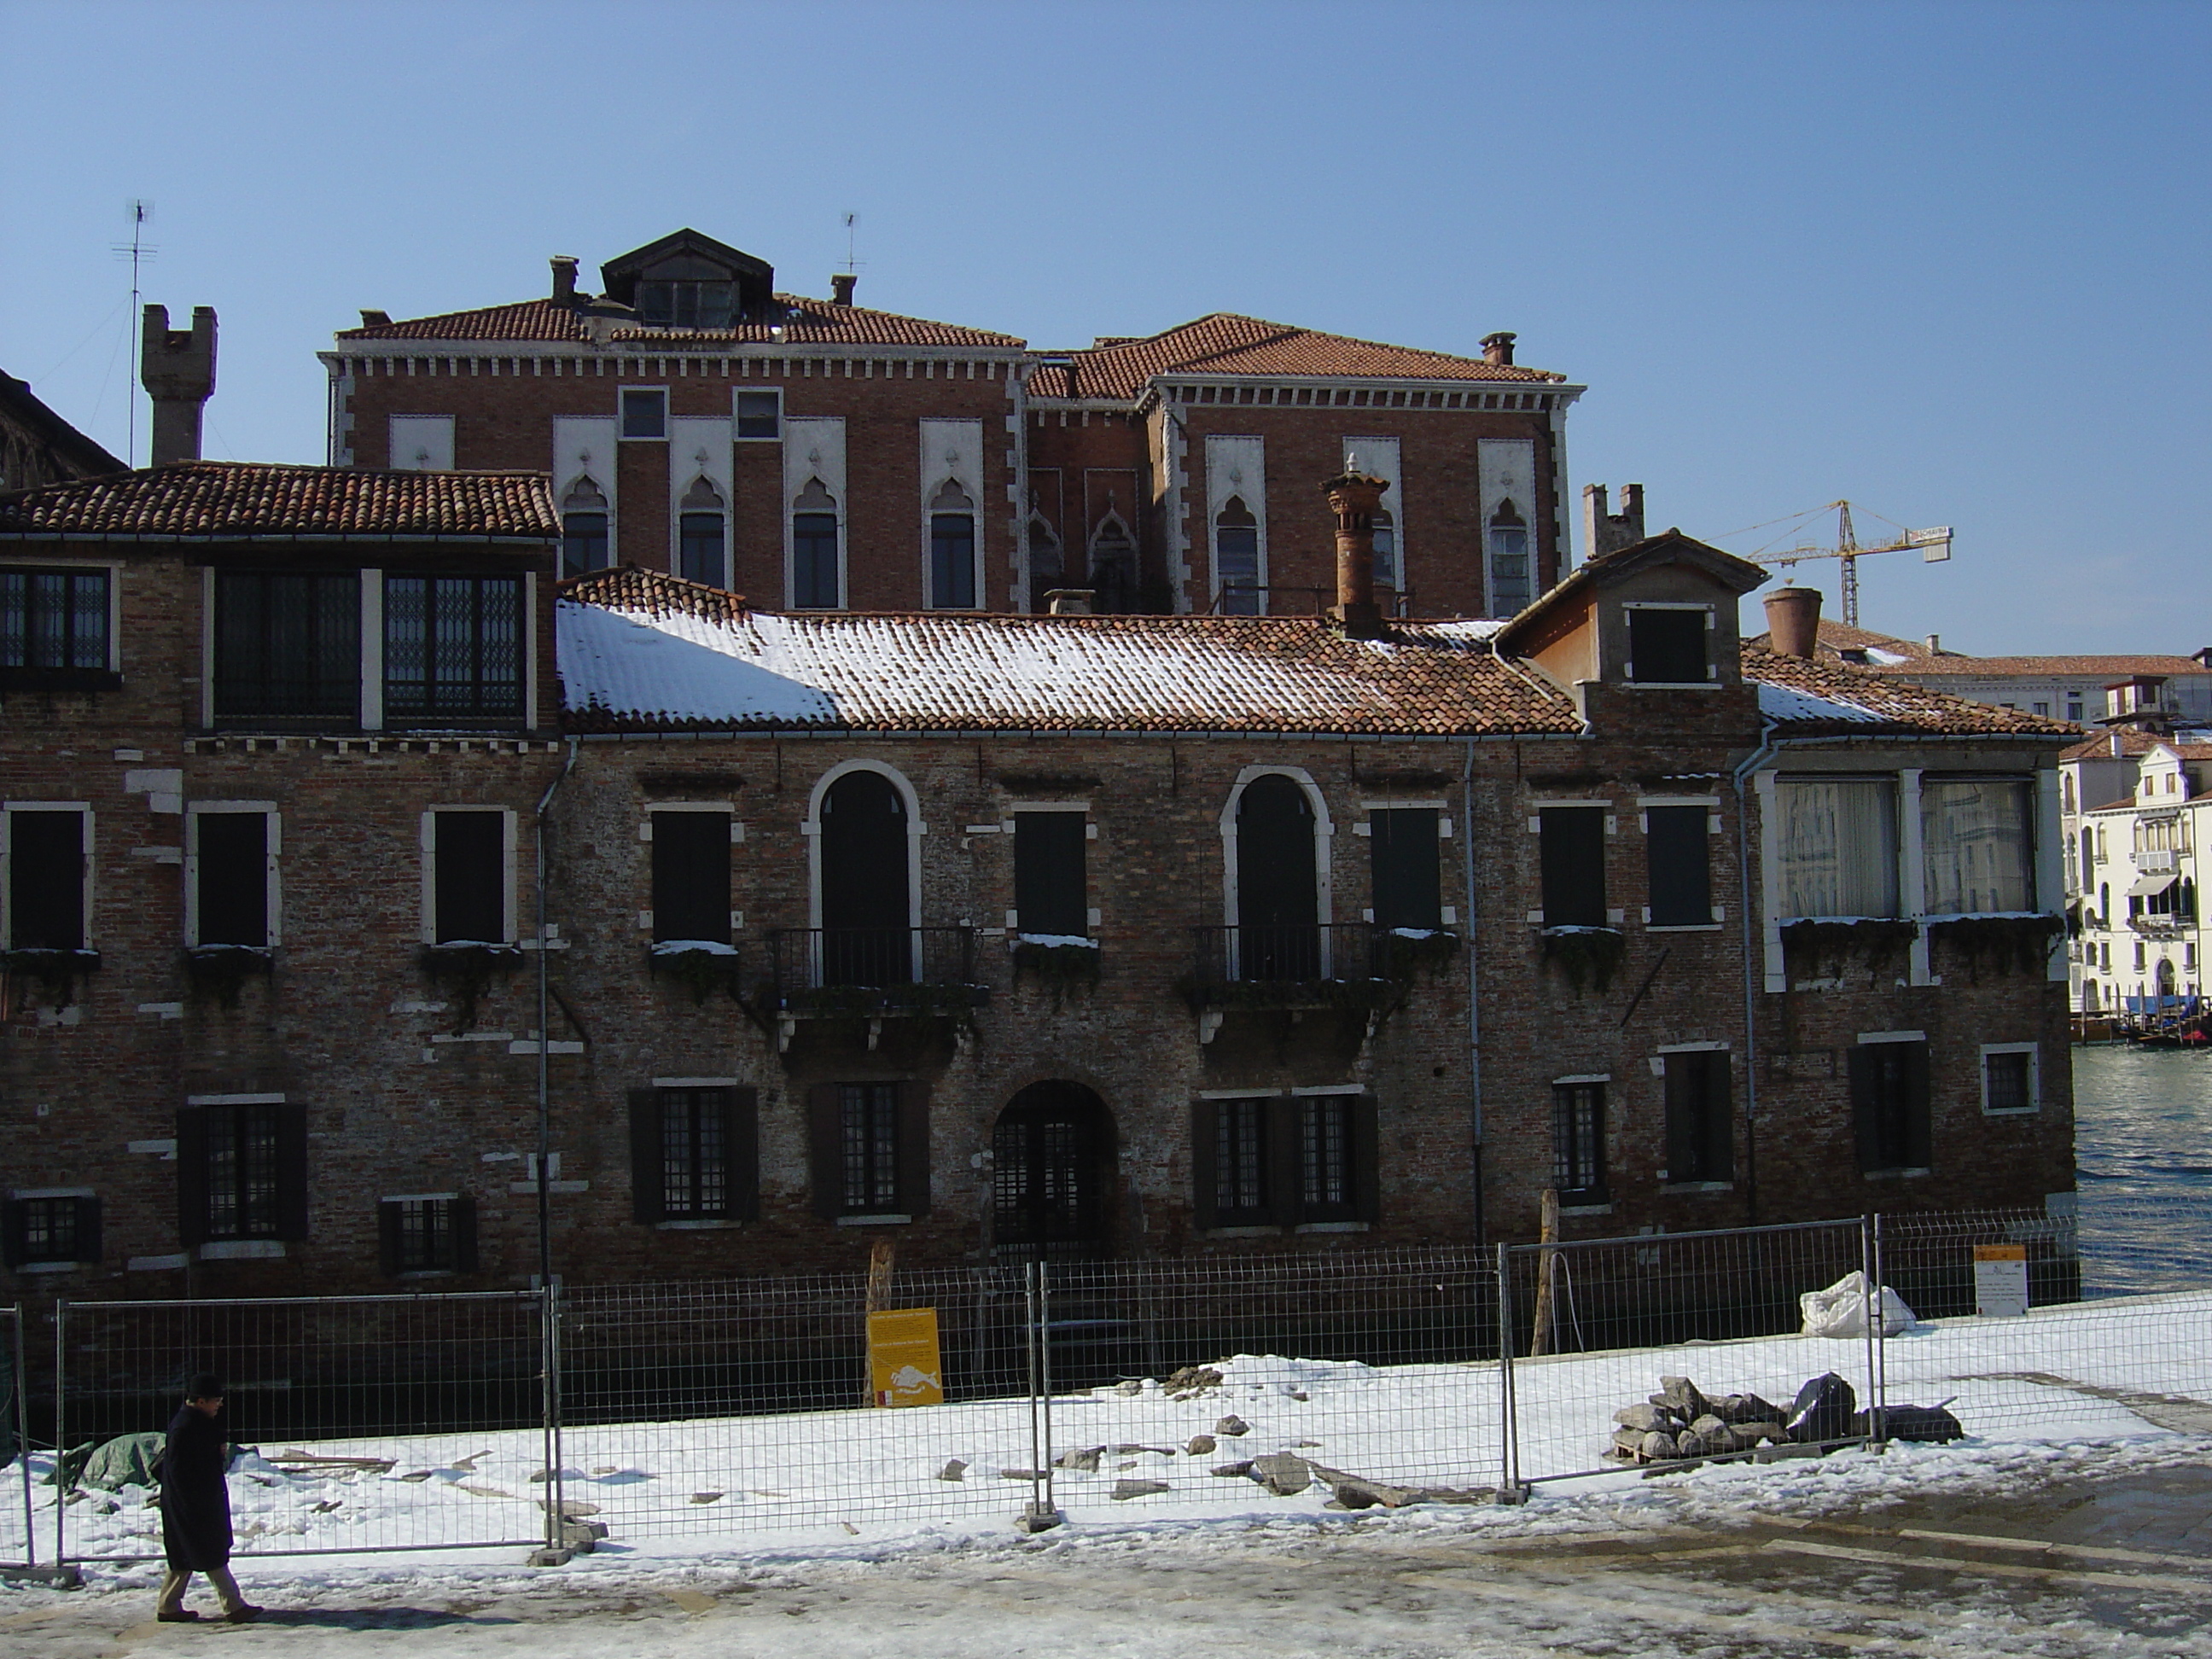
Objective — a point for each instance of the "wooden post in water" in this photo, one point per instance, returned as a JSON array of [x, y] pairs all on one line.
[[1540, 1339]]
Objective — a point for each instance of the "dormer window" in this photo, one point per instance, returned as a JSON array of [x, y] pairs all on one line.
[[666, 304], [1667, 644]]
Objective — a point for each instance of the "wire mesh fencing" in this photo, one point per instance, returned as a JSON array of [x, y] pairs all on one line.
[[19, 1544], [360, 1423]]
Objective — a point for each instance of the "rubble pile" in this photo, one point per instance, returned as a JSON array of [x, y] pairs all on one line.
[[1681, 1423]]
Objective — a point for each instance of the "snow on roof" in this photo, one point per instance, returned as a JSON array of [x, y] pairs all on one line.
[[1779, 702]]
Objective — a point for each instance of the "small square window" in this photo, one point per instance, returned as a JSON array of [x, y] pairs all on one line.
[[760, 414], [52, 1231], [2008, 1079], [432, 1234], [1668, 646], [54, 620], [645, 413]]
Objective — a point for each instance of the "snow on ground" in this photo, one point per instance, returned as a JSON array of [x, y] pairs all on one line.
[[865, 1482]]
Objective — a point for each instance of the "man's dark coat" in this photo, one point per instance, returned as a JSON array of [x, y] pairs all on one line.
[[194, 1497]]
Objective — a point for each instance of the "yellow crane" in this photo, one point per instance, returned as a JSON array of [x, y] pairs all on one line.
[[1935, 545]]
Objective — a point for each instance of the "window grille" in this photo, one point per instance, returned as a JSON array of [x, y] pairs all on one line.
[[1579, 1141], [286, 646], [53, 619], [868, 1122], [2007, 1081], [1327, 1187], [694, 1153], [1240, 1161], [243, 1167], [452, 647]]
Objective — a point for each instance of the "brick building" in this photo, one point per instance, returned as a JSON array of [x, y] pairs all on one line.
[[1133, 933], [817, 454], [38, 446]]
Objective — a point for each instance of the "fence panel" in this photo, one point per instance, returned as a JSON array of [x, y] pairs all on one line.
[[376, 1423], [738, 1406], [1596, 1323], [19, 1544]]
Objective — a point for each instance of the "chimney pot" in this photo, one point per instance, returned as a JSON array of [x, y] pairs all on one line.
[[840, 287], [564, 279], [1354, 497], [1934, 644], [1793, 620], [1498, 349]]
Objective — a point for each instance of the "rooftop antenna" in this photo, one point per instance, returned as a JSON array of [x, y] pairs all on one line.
[[137, 250]]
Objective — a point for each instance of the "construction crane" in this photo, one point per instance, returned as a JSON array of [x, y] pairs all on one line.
[[1935, 547]]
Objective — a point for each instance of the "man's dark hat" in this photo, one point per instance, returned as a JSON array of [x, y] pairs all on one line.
[[205, 1386]]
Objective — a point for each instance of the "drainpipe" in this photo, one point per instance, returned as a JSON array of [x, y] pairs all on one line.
[[1474, 977], [1755, 972], [544, 1033]]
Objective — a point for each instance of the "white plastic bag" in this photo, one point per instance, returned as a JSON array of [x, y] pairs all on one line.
[[1839, 1310]]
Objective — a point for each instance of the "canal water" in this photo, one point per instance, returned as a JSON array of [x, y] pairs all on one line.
[[2143, 1162]]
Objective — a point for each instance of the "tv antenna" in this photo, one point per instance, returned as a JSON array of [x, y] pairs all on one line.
[[852, 241], [137, 250], [1934, 546]]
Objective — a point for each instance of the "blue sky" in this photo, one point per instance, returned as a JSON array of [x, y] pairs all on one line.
[[1946, 259]]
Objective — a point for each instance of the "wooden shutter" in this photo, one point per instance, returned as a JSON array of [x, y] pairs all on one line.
[[741, 1142], [45, 884], [1572, 848], [1679, 854], [912, 1106], [1366, 1160], [463, 1210], [1700, 1140], [691, 876], [291, 1170], [469, 891], [88, 1229], [825, 1144], [15, 1220], [1283, 1151], [647, 1189], [1408, 881], [391, 1219], [1866, 1075], [191, 1176], [1717, 1119], [231, 870], [1205, 1180], [1049, 874], [1919, 1136]]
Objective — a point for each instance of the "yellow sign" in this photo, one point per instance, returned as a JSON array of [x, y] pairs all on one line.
[[904, 1368]]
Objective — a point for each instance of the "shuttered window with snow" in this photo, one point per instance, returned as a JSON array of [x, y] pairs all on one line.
[[1408, 878], [1050, 873], [1679, 849], [691, 877], [1573, 858]]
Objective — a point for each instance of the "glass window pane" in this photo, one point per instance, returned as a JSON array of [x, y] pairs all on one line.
[[1837, 847], [1977, 846], [952, 561], [814, 561]]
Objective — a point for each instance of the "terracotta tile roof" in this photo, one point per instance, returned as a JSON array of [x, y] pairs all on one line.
[[1227, 343], [641, 651], [2118, 668], [226, 499], [810, 322], [1808, 698], [2132, 743]]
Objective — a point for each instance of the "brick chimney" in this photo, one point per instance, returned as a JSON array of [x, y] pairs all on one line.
[[1604, 531], [1353, 497], [564, 279], [177, 368], [840, 287], [1793, 620], [1498, 349]]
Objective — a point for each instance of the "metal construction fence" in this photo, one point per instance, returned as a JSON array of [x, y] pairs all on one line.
[[747, 1409]]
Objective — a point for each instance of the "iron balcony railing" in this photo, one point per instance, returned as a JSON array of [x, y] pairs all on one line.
[[831, 970], [1312, 953]]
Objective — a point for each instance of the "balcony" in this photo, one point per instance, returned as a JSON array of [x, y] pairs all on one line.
[[873, 974], [1347, 966], [2161, 861]]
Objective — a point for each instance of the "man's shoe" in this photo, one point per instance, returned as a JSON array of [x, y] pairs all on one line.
[[181, 1616], [244, 1613]]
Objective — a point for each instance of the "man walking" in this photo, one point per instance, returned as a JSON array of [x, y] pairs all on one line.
[[195, 1507]]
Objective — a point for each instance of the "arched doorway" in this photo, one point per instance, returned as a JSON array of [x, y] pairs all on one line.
[[867, 936], [1278, 934], [1052, 1163]]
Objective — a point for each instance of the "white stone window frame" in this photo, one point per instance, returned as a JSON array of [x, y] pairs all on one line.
[[737, 394], [8, 811], [699, 449], [1324, 836], [951, 452], [114, 569], [1226, 453], [274, 820], [622, 394], [2034, 1053], [1711, 613], [509, 836], [805, 441], [729, 810], [1446, 913], [1712, 805]]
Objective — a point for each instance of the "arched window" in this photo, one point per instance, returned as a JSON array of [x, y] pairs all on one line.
[[1047, 569], [1278, 896], [583, 529], [1113, 567], [1509, 591], [814, 574], [1386, 551], [952, 549], [2104, 905], [1236, 559], [700, 536], [867, 936]]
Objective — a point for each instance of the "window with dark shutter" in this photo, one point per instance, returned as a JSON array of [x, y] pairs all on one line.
[[230, 875], [252, 1171], [452, 647], [691, 877], [1050, 873], [45, 880], [1573, 858], [1890, 1105], [1579, 1141], [1668, 646], [1336, 1154], [51, 1230], [868, 1148], [468, 888], [426, 1235], [1402, 845], [1679, 848], [1700, 1134], [286, 646]]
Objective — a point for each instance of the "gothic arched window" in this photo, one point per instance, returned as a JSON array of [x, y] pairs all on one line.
[[815, 584], [1236, 559], [701, 539], [952, 549], [1510, 588], [583, 529]]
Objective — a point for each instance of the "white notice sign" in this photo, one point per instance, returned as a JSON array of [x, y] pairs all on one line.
[[2001, 1280]]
